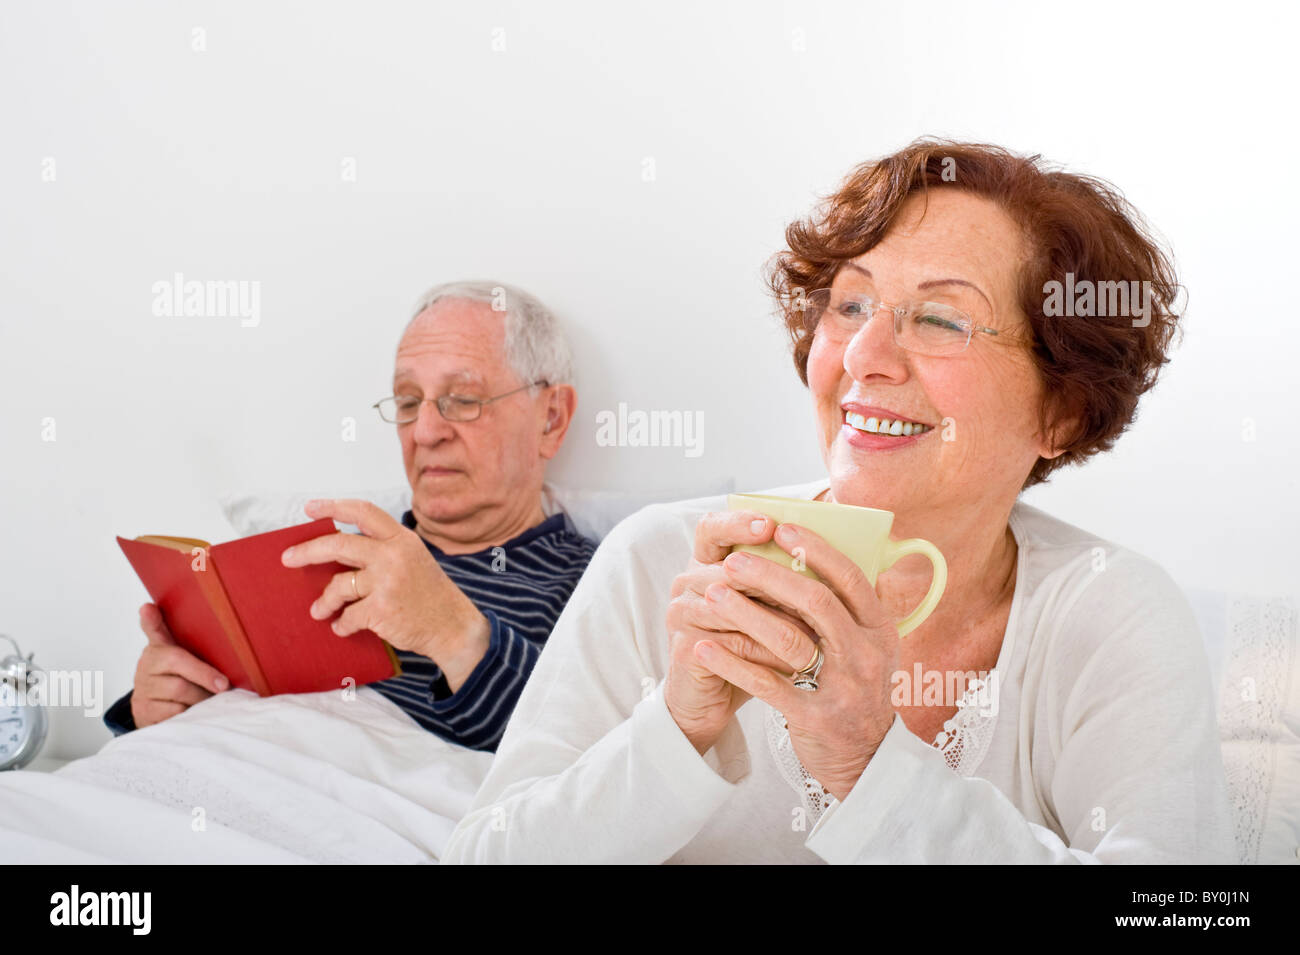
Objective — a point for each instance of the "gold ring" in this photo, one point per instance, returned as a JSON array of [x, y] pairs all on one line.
[[356, 594], [806, 679], [814, 663]]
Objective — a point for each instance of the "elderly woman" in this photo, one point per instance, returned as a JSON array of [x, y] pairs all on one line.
[[949, 373]]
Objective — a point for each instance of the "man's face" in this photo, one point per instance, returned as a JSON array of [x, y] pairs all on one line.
[[466, 471]]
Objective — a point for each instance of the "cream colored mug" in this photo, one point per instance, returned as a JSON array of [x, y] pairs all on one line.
[[859, 533]]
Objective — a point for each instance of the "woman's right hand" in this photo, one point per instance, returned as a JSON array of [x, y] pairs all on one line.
[[700, 701]]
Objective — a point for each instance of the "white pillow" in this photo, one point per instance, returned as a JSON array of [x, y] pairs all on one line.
[[256, 512], [594, 513], [1252, 645]]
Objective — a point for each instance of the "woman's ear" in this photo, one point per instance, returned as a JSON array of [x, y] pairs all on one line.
[[1065, 426]]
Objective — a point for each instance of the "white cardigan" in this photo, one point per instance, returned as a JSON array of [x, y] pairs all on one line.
[[1104, 747]]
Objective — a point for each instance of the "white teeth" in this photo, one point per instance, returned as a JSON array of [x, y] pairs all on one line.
[[884, 425]]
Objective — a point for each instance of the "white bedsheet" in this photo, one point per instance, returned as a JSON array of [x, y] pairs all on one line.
[[237, 778]]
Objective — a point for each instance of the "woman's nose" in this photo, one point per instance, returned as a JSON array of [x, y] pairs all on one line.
[[873, 350]]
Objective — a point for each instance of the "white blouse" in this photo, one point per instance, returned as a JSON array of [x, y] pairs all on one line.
[[1100, 744]]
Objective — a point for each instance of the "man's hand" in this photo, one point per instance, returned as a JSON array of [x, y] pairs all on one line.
[[397, 590], [168, 679]]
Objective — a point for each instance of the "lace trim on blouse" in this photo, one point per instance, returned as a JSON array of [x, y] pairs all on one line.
[[963, 741]]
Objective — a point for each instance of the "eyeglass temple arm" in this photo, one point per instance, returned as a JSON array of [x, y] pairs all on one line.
[[488, 401]]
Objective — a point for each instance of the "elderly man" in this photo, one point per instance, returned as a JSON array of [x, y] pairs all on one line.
[[467, 588]]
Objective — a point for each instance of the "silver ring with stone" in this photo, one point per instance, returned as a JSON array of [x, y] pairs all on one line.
[[806, 679]]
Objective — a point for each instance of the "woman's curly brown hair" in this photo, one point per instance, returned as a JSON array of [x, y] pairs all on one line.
[[1094, 368]]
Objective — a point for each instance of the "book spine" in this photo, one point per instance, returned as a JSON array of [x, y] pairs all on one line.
[[209, 581]]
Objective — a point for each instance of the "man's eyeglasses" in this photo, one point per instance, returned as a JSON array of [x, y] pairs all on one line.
[[925, 328], [404, 409]]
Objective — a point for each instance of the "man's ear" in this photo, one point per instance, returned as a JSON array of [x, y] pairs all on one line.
[[561, 402]]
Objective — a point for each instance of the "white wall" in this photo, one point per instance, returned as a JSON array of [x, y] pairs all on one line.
[[527, 164]]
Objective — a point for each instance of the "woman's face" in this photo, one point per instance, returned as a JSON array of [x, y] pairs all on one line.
[[981, 404]]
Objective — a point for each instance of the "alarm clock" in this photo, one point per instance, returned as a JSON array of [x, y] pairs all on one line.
[[22, 724]]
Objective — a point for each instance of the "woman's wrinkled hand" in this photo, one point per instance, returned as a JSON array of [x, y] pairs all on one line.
[[836, 729], [701, 702]]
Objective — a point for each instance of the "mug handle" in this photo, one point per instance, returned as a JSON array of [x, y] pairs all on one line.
[[939, 580]]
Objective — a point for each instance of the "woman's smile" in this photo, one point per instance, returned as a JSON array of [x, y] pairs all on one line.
[[879, 429]]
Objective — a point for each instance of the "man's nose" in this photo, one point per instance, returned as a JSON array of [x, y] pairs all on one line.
[[430, 426]]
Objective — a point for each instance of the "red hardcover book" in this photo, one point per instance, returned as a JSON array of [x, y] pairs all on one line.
[[235, 606]]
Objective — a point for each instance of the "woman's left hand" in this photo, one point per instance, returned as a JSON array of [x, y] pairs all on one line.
[[836, 729]]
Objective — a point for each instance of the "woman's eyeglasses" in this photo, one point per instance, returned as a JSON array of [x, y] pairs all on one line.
[[925, 328]]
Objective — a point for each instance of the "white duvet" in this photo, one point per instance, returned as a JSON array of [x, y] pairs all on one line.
[[238, 778]]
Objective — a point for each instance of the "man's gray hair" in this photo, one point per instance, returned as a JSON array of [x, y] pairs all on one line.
[[536, 349]]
